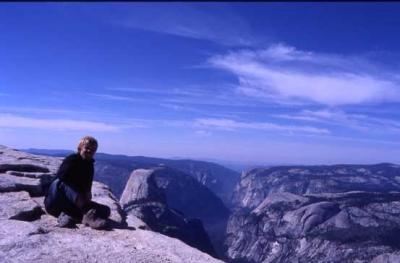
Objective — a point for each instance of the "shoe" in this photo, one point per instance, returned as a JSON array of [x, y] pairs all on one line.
[[92, 220], [66, 221]]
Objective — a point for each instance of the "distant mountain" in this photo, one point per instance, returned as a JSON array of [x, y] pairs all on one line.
[[114, 170], [257, 184]]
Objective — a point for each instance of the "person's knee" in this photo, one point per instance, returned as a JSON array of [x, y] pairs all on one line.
[[69, 193]]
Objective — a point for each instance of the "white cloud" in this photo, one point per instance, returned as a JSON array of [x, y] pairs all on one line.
[[282, 73], [12, 121], [230, 125]]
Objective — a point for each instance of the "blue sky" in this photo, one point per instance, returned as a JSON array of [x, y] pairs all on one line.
[[266, 83]]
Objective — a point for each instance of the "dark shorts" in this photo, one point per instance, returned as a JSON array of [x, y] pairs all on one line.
[[62, 198]]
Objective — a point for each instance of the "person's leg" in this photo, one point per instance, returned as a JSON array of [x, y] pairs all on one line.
[[67, 201], [52, 199], [58, 204]]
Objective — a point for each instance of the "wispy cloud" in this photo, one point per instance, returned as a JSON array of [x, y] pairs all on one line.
[[284, 74], [39, 110], [13, 121], [196, 22], [360, 122], [230, 125], [111, 97], [154, 123], [178, 97], [163, 91]]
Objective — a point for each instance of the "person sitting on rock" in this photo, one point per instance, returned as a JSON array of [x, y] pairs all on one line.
[[69, 197]]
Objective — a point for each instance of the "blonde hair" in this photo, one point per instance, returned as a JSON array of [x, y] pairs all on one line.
[[87, 140]]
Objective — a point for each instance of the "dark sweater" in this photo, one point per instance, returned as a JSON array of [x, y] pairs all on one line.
[[77, 173]]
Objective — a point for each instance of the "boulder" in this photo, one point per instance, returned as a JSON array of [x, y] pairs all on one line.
[[102, 194], [11, 183]]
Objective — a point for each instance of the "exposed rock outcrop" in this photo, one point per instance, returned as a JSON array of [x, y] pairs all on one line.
[[28, 234], [342, 213], [27, 242], [148, 195]]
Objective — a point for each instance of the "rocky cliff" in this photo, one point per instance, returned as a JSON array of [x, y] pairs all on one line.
[[161, 197], [342, 213], [28, 234]]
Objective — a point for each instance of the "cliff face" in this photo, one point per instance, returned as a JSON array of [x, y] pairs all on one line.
[[257, 184], [194, 200], [167, 200], [343, 213], [218, 179], [28, 234]]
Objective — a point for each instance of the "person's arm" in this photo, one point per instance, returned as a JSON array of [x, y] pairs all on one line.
[[65, 173], [89, 190], [65, 169]]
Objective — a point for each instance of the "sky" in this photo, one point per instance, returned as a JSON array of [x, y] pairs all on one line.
[[260, 83]]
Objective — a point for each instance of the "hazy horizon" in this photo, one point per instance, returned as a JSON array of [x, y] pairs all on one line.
[[260, 83], [235, 165]]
